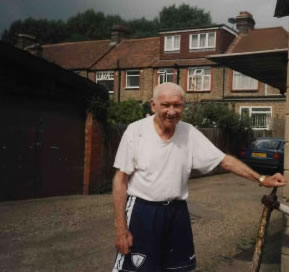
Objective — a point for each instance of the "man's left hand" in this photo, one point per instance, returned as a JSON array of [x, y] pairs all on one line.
[[276, 180]]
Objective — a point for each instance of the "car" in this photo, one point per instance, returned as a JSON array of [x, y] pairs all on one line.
[[265, 153]]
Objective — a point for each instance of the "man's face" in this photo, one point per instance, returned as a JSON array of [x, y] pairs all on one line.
[[168, 107]]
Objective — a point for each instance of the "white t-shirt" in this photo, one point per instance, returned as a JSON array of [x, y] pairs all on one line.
[[159, 170]]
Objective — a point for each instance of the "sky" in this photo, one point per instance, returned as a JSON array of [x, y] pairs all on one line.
[[220, 10]]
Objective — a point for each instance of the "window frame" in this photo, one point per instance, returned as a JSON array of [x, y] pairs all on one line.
[[173, 49], [196, 70], [126, 78], [165, 73], [252, 111], [207, 46], [238, 88], [110, 78]]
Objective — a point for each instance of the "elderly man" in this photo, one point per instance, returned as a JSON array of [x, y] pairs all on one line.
[[154, 161]]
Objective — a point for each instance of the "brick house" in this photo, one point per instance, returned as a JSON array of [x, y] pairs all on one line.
[[130, 68]]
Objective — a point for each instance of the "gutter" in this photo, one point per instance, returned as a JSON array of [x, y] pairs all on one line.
[[285, 50], [247, 99]]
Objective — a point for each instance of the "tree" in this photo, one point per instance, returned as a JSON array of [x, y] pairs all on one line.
[[44, 30], [141, 28], [183, 16], [92, 25]]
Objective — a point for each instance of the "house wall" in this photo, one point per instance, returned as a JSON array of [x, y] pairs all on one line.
[[262, 89], [216, 91], [278, 108], [143, 93], [225, 40]]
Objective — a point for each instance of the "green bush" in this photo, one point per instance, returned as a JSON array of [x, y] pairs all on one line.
[[124, 112], [210, 115]]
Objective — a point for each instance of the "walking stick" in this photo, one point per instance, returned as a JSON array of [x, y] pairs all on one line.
[[263, 227]]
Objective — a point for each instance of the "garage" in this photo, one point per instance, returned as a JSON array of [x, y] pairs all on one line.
[[42, 119]]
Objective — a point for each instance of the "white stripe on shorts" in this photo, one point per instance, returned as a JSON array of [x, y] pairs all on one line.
[[120, 257]]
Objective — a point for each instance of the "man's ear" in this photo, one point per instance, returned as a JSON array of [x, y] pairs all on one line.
[[153, 104]]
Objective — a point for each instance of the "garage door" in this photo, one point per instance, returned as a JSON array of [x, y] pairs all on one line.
[[41, 148]]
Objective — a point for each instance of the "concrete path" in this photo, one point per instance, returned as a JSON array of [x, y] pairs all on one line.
[[75, 233]]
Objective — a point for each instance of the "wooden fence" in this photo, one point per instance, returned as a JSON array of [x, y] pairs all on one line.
[[228, 144]]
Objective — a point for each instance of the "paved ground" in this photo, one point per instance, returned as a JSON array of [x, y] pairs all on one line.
[[75, 233]]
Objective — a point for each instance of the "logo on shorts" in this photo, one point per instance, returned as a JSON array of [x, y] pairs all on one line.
[[137, 259], [192, 257]]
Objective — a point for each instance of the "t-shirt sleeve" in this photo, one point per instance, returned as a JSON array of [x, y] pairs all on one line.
[[124, 159], [206, 155]]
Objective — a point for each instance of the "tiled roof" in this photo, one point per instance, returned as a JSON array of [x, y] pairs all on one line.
[[76, 55], [132, 53], [17, 60], [182, 62], [260, 40]]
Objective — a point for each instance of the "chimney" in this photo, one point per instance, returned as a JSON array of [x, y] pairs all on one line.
[[245, 22], [29, 43], [118, 33]]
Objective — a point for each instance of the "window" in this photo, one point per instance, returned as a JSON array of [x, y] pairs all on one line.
[[132, 79], [165, 75], [172, 43], [199, 79], [106, 78], [243, 82], [77, 72], [260, 117], [203, 40]]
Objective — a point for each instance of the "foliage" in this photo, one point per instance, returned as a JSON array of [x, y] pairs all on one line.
[[183, 16], [98, 106], [147, 108], [124, 112], [206, 115], [141, 28], [92, 25], [45, 30]]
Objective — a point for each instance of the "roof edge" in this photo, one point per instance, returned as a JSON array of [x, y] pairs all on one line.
[[285, 50], [199, 28]]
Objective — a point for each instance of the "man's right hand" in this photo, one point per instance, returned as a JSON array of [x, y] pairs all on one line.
[[123, 241]]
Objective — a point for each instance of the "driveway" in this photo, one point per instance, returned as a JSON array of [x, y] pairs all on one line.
[[75, 233]]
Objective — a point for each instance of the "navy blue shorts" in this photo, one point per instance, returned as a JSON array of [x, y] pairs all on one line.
[[162, 237]]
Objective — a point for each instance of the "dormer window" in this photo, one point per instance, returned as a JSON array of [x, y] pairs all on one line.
[[172, 43], [203, 40]]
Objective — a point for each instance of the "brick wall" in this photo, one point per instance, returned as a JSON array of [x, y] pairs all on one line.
[[216, 86], [262, 89], [278, 108], [143, 93], [285, 191], [94, 135]]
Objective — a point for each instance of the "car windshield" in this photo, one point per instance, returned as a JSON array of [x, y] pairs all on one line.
[[265, 144]]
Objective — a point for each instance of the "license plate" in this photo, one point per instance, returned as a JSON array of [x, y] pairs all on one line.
[[259, 155]]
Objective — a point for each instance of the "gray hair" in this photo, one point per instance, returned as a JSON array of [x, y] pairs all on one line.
[[167, 85]]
